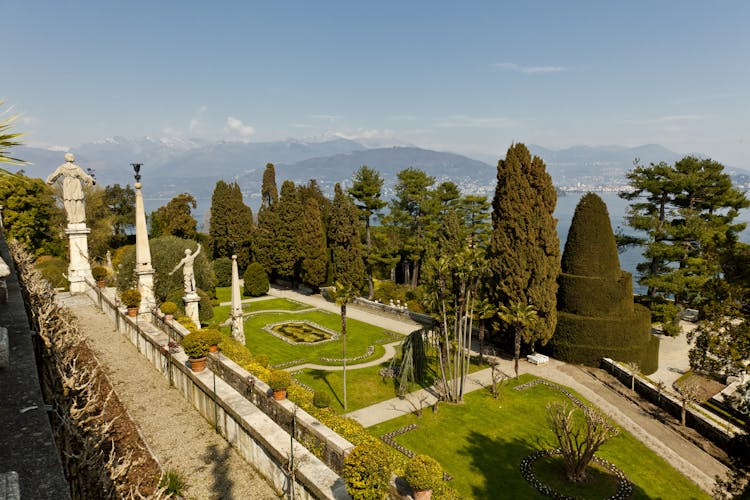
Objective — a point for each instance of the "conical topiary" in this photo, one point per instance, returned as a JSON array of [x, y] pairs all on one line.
[[596, 314], [591, 249]]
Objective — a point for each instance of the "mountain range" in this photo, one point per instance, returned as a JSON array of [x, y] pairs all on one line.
[[172, 166]]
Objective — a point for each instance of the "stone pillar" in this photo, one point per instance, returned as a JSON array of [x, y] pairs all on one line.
[[238, 329], [191, 308], [143, 268], [79, 268]]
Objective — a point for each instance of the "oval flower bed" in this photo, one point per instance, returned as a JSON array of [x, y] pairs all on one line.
[[301, 332]]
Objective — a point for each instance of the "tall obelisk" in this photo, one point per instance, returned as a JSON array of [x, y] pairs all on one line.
[[143, 268]]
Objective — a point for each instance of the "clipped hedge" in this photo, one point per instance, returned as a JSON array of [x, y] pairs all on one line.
[[367, 471], [586, 340], [590, 249], [256, 280], [590, 296]]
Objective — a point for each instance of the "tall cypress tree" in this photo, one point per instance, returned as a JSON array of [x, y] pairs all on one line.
[[231, 224], [524, 250], [268, 223], [348, 268], [288, 234], [313, 242]]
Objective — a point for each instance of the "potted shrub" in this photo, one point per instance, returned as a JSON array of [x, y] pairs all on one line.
[[168, 308], [132, 300], [279, 380], [100, 274], [213, 337], [423, 474], [196, 348]]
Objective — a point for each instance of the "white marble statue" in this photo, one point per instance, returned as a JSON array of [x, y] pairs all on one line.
[[188, 274], [72, 187]]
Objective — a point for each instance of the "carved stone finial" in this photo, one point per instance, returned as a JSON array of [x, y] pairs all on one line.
[[70, 157]]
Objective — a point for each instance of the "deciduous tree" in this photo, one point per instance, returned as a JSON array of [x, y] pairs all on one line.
[[175, 218]]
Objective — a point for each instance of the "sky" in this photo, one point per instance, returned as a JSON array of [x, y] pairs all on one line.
[[468, 77]]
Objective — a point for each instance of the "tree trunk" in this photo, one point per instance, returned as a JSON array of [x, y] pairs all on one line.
[[343, 344], [481, 341], [370, 284], [517, 350], [415, 274]]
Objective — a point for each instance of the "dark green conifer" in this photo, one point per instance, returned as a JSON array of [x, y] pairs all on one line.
[[597, 317], [524, 250], [288, 246], [231, 224], [313, 244]]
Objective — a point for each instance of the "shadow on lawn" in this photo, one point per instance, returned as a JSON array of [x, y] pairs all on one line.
[[498, 462], [323, 375]]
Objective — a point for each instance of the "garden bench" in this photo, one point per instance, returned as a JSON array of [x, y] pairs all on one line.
[[537, 359]]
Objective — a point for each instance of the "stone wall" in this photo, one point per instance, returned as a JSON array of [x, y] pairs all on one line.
[[718, 432], [255, 435]]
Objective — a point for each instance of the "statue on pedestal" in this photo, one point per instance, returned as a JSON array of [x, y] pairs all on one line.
[[72, 188], [188, 273]]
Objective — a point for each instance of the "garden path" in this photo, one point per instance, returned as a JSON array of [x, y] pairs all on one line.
[[177, 435]]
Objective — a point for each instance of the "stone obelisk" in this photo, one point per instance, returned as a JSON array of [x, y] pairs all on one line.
[[73, 181], [143, 268], [238, 329]]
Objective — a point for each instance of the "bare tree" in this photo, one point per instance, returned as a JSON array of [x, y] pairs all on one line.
[[498, 377], [578, 439]]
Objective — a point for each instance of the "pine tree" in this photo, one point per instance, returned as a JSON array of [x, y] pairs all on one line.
[[348, 268], [524, 251], [313, 242], [413, 218], [231, 224], [367, 189]]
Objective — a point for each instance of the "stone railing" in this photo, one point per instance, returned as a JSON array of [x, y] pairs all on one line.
[[716, 429], [422, 319], [247, 423]]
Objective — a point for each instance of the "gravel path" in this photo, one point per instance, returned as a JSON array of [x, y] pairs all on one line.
[[178, 436]]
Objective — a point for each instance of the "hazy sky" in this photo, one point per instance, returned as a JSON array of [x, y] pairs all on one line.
[[462, 76]]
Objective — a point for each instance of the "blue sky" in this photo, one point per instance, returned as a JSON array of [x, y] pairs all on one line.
[[470, 77]]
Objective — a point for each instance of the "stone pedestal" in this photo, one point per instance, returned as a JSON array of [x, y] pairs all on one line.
[[191, 308], [80, 268], [146, 287]]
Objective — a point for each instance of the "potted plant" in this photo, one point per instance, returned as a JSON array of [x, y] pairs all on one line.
[[279, 380], [132, 299], [196, 347], [168, 308], [423, 474], [213, 337], [100, 274]]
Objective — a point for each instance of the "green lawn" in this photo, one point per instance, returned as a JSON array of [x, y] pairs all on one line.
[[224, 293], [482, 442], [275, 304], [359, 336]]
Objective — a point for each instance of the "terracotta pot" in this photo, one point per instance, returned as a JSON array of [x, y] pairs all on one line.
[[422, 494], [198, 364], [101, 284], [132, 311], [213, 348], [279, 394]]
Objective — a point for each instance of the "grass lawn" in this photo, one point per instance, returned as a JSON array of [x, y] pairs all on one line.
[[365, 386], [274, 304], [359, 336], [482, 442], [224, 293]]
